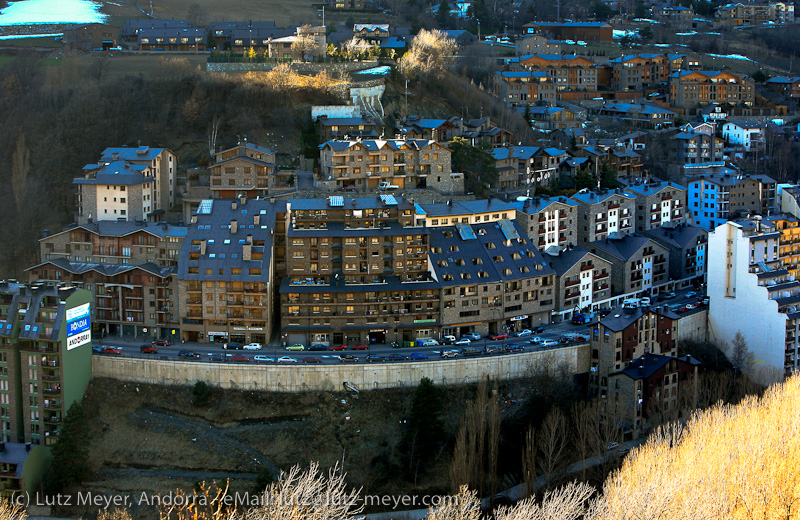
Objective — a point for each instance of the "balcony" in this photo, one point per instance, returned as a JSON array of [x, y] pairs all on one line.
[[601, 276], [587, 267], [569, 296], [571, 283]]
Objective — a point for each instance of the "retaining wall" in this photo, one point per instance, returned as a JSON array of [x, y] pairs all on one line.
[[330, 377]]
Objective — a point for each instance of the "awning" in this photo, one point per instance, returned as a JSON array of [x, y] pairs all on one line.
[[418, 325], [304, 328], [365, 327]]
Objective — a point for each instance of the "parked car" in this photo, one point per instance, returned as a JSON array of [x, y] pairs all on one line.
[[537, 330], [111, 350], [190, 354], [523, 333], [388, 186], [287, 359], [261, 358], [430, 342], [463, 341], [296, 346], [448, 340], [515, 348], [691, 294], [474, 336], [218, 357], [470, 352], [416, 356], [239, 358], [397, 357], [148, 349], [498, 336], [312, 360], [161, 342], [549, 343], [338, 347], [97, 348], [348, 188], [449, 353], [535, 340], [232, 346], [348, 358], [690, 306], [375, 359], [318, 346], [360, 347], [253, 346], [492, 349], [670, 296]]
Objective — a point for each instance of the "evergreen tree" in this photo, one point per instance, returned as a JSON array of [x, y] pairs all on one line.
[[425, 430], [70, 453]]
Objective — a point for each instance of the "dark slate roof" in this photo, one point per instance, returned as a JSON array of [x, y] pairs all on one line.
[[15, 453], [227, 27], [645, 366], [349, 203], [120, 228], [345, 121], [260, 34], [224, 249], [131, 27], [477, 248], [142, 153], [466, 207], [620, 319], [107, 269], [338, 229], [173, 32], [595, 197], [119, 173], [677, 237], [537, 204], [567, 258], [652, 188], [622, 248], [378, 144]]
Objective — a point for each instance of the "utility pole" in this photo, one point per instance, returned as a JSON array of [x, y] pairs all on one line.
[[406, 92]]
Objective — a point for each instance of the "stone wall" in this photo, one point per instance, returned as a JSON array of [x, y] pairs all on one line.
[[330, 377], [302, 68]]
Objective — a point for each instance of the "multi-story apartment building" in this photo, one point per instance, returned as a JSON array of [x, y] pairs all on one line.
[[567, 71], [677, 15], [525, 87], [45, 358], [127, 183], [747, 134], [466, 212], [658, 203], [408, 164], [696, 150], [694, 88], [602, 214], [788, 86], [640, 115], [550, 222], [129, 32], [226, 271], [583, 280], [577, 31], [346, 128], [521, 166], [789, 243], [492, 279], [477, 130], [172, 39], [638, 263], [129, 267], [246, 169], [357, 272], [715, 198], [752, 294], [688, 250], [554, 117], [624, 161], [641, 71], [528, 44], [739, 15]]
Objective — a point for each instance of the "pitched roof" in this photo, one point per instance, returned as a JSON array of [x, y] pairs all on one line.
[[121, 228], [623, 248], [595, 197], [651, 188], [677, 237], [106, 269], [125, 153], [567, 258], [118, 173], [644, 367]]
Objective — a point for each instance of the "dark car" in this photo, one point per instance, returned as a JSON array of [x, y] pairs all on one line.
[[375, 359], [492, 349], [148, 349], [500, 335], [232, 346], [417, 356], [397, 357], [537, 330], [191, 354], [318, 346], [515, 348], [467, 352], [161, 342], [239, 358], [312, 360], [216, 357], [347, 358]]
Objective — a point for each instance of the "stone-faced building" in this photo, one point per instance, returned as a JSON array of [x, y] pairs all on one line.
[[583, 280], [696, 150], [640, 71], [346, 128], [639, 264], [687, 247], [604, 214], [693, 88], [408, 164], [492, 278], [226, 271], [465, 212], [246, 169], [356, 272], [658, 203], [549, 221]]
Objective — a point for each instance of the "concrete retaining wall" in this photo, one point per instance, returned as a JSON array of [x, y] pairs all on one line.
[[301, 68], [694, 326], [330, 377]]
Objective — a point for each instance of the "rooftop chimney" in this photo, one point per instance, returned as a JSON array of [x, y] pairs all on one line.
[[257, 220], [233, 205], [234, 226], [247, 250], [203, 244]]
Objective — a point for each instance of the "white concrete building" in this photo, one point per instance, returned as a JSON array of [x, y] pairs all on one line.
[[750, 293], [748, 134]]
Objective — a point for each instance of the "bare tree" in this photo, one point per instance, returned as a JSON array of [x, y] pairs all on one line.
[[552, 444], [20, 167], [566, 503], [741, 357], [529, 465], [582, 432], [213, 131], [430, 54], [464, 506], [196, 15]]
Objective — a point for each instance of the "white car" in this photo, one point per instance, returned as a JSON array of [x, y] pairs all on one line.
[[450, 353], [253, 346], [523, 333], [287, 359], [429, 343], [535, 340], [464, 341], [263, 359], [548, 343]]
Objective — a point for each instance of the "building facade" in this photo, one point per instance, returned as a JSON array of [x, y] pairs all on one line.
[[602, 214], [246, 169]]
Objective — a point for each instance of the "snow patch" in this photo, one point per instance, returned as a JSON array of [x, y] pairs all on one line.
[[644, 20], [690, 33], [28, 12], [620, 33], [376, 70], [732, 57], [21, 36]]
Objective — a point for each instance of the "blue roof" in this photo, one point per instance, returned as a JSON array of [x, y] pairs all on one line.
[[593, 197], [142, 153], [653, 188], [118, 173]]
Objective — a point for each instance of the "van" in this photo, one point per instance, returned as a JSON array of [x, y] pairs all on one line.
[[630, 303], [449, 340]]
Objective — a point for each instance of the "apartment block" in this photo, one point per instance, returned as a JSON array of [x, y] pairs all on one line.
[[45, 358], [567, 71], [694, 88], [788, 86], [639, 265], [583, 280], [408, 164], [357, 272], [751, 293], [696, 151], [172, 39], [747, 134], [550, 222], [465, 212], [246, 169], [520, 166], [688, 251], [715, 198], [525, 87], [642, 71], [603, 214], [226, 271], [658, 203], [492, 278], [127, 183], [129, 267], [740, 15]]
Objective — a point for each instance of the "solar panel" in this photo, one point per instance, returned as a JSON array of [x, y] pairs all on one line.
[[335, 201], [418, 209], [205, 207], [466, 231], [389, 200], [508, 229]]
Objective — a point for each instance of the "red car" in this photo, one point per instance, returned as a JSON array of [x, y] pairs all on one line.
[[499, 336], [111, 350], [240, 358], [161, 342], [148, 349], [340, 347], [360, 347], [348, 188]]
